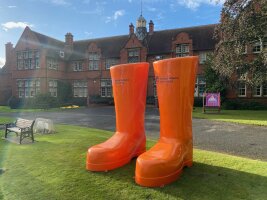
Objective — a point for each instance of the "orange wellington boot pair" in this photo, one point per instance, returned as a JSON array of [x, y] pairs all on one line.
[[163, 163]]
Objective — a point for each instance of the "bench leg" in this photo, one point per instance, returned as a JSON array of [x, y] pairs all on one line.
[[20, 138], [32, 136], [6, 132]]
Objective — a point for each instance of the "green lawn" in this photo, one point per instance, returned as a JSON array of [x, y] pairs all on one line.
[[6, 109], [54, 168], [253, 117]]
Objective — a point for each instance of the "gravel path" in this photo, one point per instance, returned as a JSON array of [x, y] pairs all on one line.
[[241, 140]]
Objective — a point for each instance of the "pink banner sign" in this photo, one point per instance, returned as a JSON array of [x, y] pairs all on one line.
[[213, 100]]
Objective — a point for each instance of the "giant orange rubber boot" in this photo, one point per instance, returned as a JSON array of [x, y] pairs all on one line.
[[129, 83], [164, 162]]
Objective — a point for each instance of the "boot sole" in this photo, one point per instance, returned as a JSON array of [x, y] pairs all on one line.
[[111, 165], [164, 180]]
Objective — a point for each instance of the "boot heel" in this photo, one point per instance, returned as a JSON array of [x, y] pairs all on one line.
[[140, 150], [188, 159], [188, 163]]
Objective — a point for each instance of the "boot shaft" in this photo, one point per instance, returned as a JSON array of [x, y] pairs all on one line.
[[129, 82], [175, 80]]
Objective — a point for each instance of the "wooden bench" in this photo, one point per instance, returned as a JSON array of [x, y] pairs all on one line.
[[22, 127]]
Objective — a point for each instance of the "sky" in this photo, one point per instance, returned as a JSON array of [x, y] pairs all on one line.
[[87, 19]]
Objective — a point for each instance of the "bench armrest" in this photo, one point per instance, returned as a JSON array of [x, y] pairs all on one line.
[[10, 125]]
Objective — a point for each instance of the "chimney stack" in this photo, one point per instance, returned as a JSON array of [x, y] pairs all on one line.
[[9, 48], [131, 29], [68, 43], [151, 27], [69, 39]]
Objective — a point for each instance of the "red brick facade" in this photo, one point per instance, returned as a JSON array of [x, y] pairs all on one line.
[[71, 60]]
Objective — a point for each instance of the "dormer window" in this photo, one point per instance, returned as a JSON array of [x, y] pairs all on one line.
[[182, 50], [133, 55], [61, 54], [94, 60]]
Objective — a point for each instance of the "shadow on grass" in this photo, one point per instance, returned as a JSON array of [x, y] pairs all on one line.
[[201, 182]]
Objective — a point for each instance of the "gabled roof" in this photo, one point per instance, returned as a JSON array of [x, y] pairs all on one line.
[[52, 44], [49, 42], [161, 41], [110, 46]]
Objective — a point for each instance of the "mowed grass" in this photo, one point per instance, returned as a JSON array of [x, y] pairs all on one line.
[[6, 109], [252, 117], [54, 168]]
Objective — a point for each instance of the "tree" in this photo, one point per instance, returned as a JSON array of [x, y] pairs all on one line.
[[243, 23], [214, 82]]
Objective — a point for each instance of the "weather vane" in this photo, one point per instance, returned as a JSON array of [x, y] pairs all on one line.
[[141, 7]]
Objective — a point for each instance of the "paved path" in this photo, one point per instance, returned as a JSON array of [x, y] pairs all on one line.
[[242, 140]]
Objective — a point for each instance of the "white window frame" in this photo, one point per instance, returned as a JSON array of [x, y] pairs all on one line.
[[77, 66], [94, 61], [133, 55], [52, 63], [262, 87], [80, 89], [28, 88], [111, 62], [106, 88], [27, 59], [202, 57], [256, 47], [243, 88], [255, 90], [61, 54], [182, 50], [52, 84]]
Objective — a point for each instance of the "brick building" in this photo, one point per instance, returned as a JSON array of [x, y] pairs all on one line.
[[38, 62]]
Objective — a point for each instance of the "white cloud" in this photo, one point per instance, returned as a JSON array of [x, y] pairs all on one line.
[[11, 6], [60, 2], [2, 62], [116, 15], [11, 25], [88, 33], [194, 4], [151, 9]]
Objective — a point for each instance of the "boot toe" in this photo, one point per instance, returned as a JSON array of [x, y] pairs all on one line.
[[158, 166]]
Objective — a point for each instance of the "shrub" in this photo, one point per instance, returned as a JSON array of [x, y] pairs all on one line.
[[14, 102], [79, 101], [97, 99], [237, 104], [198, 102], [43, 101]]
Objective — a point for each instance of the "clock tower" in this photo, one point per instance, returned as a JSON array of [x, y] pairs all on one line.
[[141, 30]]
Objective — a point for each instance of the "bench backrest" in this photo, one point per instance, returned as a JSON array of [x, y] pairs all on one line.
[[24, 123]]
